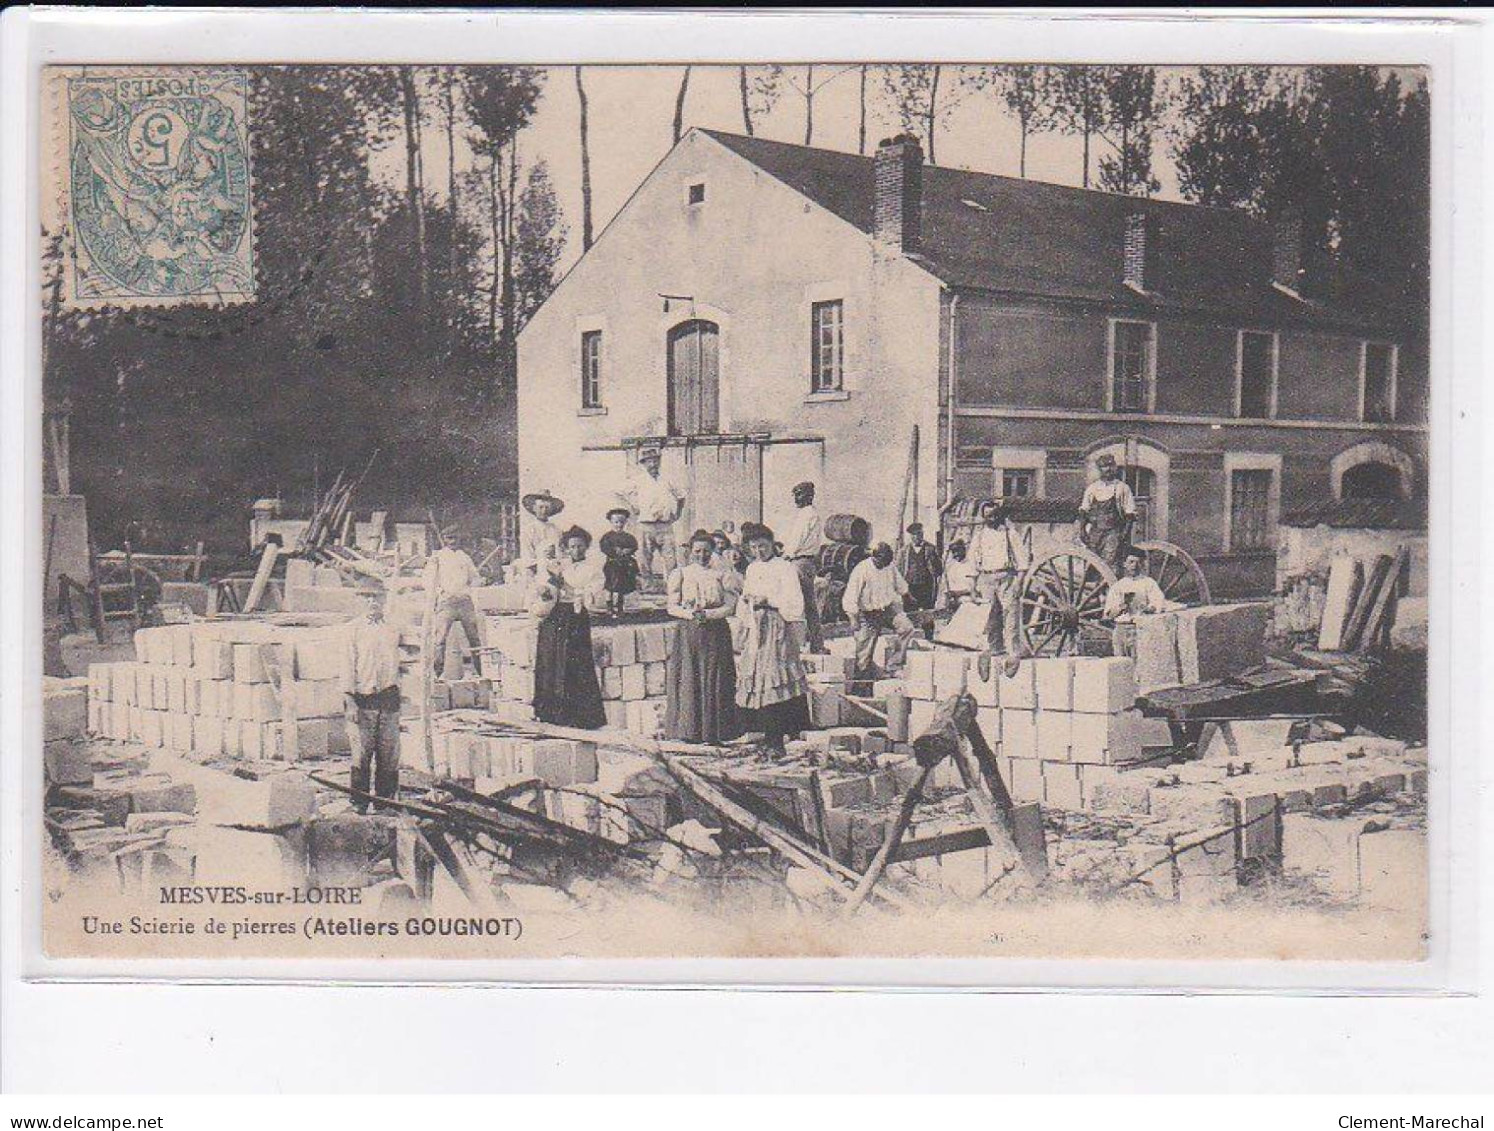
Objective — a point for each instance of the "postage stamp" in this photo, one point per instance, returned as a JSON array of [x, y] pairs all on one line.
[[158, 188]]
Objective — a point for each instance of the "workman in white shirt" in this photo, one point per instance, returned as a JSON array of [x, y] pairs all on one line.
[[874, 601], [656, 504], [1136, 593], [1107, 513], [998, 557], [370, 684], [801, 545], [449, 577]]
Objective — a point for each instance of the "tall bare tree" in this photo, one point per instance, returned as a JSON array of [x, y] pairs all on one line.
[[586, 231], [809, 89], [415, 176], [1023, 90], [861, 120], [914, 90], [759, 89], [1134, 106], [679, 105], [1077, 97]]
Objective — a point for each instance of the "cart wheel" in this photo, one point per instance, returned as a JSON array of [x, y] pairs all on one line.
[[1062, 597], [1175, 573]]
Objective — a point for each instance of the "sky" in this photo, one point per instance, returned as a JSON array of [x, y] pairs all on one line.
[[630, 125]]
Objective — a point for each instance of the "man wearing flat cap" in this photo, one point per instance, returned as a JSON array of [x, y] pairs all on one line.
[[801, 546], [1107, 513], [918, 562], [998, 557], [656, 503], [449, 577]]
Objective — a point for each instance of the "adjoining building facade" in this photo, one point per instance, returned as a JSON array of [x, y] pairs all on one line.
[[771, 312]]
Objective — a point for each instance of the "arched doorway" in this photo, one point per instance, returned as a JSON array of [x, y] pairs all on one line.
[[694, 379], [1372, 480]]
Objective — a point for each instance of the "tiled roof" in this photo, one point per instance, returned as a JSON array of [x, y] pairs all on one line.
[[1361, 514], [987, 232]]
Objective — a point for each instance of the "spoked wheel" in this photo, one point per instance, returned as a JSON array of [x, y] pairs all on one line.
[[1061, 596], [1175, 573]]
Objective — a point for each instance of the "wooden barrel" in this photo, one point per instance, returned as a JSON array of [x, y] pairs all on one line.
[[837, 559], [848, 529]]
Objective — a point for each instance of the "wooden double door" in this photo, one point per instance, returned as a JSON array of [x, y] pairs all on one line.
[[694, 379]]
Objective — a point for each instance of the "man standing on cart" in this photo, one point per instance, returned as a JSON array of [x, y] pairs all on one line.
[[1107, 514]]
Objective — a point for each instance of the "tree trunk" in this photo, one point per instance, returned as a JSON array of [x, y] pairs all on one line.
[[585, 168], [809, 104], [493, 219], [861, 128], [452, 296], [746, 100], [508, 338], [679, 106], [1022, 151], [1086, 156], [414, 175], [934, 111]]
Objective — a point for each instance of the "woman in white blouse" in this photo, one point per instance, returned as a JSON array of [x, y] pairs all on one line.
[[770, 681], [566, 689], [701, 678]]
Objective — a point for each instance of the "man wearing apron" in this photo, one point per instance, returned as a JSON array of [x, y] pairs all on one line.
[[1107, 514]]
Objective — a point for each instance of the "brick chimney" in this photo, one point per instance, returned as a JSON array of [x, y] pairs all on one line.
[[1138, 253], [897, 211], [1286, 250]]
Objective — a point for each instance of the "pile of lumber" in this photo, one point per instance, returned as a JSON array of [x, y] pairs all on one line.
[[1360, 605]]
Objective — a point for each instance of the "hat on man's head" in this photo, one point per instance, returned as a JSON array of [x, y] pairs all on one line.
[[755, 531], [915, 528], [1134, 552], [650, 453], [804, 488], [1105, 460], [624, 511], [576, 532], [451, 533], [702, 535], [557, 504]]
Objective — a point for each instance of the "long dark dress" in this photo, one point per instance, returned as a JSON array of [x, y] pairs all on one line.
[[701, 675], [566, 690]]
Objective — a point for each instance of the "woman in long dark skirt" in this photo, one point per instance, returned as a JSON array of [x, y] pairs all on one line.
[[566, 689], [701, 678]]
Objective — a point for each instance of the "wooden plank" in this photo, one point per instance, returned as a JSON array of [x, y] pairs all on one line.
[[1384, 599], [261, 577], [1354, 627]]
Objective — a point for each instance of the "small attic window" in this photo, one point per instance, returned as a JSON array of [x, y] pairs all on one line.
[[975, 204], [696, 193]]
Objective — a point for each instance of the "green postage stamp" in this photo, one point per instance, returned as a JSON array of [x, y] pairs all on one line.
[[157, 187]]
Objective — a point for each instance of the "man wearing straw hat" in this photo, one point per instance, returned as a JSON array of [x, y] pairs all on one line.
[[539, 540], [449, 577]]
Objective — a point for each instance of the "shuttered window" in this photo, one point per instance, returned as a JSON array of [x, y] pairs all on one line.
[[827, 355], [1250, 510]]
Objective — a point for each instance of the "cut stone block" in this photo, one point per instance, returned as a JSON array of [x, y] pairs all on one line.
[[653, 678], [249, 663], [1157, 659], [634, 682], [652, 647], [920, 715], [1055, 735], [65, 709], [918, 675], [1061, 786], [1054, 680], [1019, 734], [66, 762], [1108, 740], [1018, 691], [988, 720], [1104, 685], [1327, 848], [949, 672]]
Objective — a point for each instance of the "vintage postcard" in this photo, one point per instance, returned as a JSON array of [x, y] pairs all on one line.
[[814, 510]]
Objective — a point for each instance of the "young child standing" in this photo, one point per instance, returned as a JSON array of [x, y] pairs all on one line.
[[620, 548]]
